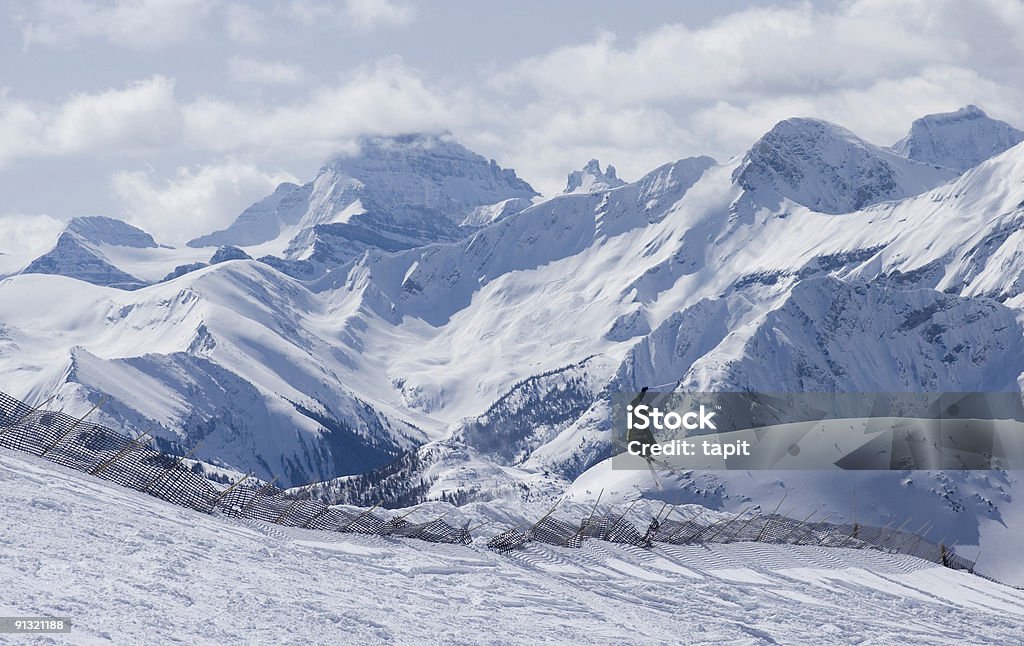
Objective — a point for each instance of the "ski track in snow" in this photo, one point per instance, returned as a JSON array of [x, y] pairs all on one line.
[[131, 569]]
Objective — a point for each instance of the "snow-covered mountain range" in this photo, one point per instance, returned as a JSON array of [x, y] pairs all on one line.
[[417, 306]]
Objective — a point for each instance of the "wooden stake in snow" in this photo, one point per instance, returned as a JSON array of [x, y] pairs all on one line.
[[73, 426], [359, 517], [177, 463], [760, 534], [726, 525], [230, 489], [544, 517], [136, 443], [256, 496], [586, 524], [27, 415]]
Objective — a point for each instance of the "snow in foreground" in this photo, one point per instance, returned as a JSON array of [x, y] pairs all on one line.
[[129, 568]]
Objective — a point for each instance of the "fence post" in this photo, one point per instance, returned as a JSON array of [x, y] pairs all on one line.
[[688, 520], [288, 510], [584, 525], [219, 496], [612, 528], [768, 519], [257, 495], [73, 427], [318, 514], [811, 528], [277, 521], [176, 464], [103, 466], [799, 526], [918, 536], [742, 527], [353, 521], [544, 517], [898, 529], [726, 525], [24, 417]]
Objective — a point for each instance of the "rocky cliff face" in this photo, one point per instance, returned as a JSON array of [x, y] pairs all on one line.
[[591, 179], [831, 170]]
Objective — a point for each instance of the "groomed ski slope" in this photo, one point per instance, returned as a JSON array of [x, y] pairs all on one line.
[[131, 569]]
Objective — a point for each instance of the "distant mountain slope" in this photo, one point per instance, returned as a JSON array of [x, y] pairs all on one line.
[[229, 359], [958, 140], [80, 252]]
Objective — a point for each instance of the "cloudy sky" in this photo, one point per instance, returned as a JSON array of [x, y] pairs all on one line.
[[176, 114]]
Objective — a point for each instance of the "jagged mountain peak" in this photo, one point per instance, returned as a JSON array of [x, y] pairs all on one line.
[[394, 193], [959, 140], [591, 179], [428, 170], [829, 169]]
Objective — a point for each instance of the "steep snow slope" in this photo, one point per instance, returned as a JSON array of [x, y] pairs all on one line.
[[905, 340], [958, 140], [235, 356], [78, 547], [263, 221], [909, 280]]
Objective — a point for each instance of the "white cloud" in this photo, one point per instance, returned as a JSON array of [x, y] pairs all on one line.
[[269, 22], [194, 201], [25, 237], [368, 15], [143, 115], [770, 51], [245, 24], [138, 24], [252, 70], [386, 98], [546, 140], [679, 90]]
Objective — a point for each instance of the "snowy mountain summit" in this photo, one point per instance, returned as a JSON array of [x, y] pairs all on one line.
[[396, 193], [99, 230], [829, 169], [958, 140], [80, 252], [590, 179]]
